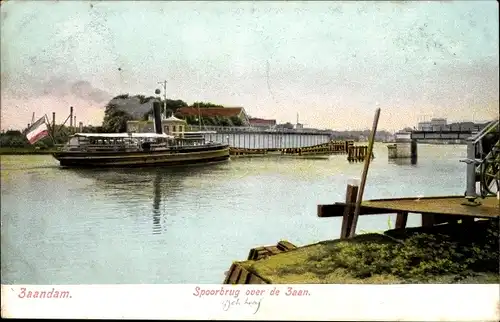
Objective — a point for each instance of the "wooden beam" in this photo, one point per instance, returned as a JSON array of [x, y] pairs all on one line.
[[337, 210], [467, 220]]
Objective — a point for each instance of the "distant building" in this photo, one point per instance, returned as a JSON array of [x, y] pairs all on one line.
[[226, 112], [438, 124], [435, 124], [299, 126], [262, 123], [424, 126], [171, 125]]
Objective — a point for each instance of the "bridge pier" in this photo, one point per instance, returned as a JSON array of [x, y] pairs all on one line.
[[404, 148], [413, 151]]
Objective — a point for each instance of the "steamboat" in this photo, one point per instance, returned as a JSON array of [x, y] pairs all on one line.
[[140, 149]]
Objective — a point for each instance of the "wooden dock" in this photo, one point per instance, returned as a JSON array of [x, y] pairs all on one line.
[[357, 153], [435, 212], [314, 151]]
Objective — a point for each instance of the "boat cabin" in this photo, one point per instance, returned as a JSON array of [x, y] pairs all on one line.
[[129, 142], [118, 142]]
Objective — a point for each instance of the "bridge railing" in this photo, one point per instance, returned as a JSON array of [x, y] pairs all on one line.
[[252, 129], [476, 155], [452, 128]]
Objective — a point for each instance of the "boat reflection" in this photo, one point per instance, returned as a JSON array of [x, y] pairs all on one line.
[[157, 199], [125, 184]]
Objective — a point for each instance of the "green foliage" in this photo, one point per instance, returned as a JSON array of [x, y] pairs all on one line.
[[172, 107], [121, 96], [205, 105], [115, 120], [421, 257], [14, 139], [143, 99], [287, 125], [236, 121]]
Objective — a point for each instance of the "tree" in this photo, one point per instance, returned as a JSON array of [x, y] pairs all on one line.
[[121, 96], [205, 105], [236, 121], [172, 107], [115, 120], [287, 125], [14, 139]]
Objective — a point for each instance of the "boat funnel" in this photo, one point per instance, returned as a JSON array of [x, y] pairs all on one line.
[[157, 117]]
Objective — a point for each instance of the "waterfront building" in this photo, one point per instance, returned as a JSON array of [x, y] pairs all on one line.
[[225, 112]]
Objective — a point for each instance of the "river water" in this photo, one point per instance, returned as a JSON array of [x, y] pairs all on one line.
[[187, 225]]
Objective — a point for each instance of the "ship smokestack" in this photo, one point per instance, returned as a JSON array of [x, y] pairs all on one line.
[[157, 117]]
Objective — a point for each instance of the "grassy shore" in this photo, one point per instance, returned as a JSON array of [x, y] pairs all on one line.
[[452, 253], [18, 151]]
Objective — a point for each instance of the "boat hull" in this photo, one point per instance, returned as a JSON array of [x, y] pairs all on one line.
[[181, 156]]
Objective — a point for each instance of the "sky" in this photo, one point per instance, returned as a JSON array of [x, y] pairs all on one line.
[[333, 63]]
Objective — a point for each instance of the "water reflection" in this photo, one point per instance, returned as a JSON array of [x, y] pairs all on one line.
[[403, 161], [157, 196], [138, 184]]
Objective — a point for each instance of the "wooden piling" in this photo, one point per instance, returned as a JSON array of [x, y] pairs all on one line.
[[401, 219], [350, 200], [71, 117], [365, 174], [53, 123]]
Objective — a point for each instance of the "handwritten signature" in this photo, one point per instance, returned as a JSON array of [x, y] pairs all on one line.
[[255, 304]]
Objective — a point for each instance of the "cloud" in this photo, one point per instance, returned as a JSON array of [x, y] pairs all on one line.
[[133, 106], [56, 86], [85, 90]]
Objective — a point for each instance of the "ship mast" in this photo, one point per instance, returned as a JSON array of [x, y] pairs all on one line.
[[164, 83]]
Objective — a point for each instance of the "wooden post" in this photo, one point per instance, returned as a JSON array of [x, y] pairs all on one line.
[[428, 220], [53, 123], [71, 117], [413, 152], [350, 201], [364, 175], [401, 219]]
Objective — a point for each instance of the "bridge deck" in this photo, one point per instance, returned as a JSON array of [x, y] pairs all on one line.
[[438, 135]]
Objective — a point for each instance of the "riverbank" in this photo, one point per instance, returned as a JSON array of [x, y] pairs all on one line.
[[24, 151], [450, 253]]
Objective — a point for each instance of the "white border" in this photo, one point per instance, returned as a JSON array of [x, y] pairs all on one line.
[[324, 302]]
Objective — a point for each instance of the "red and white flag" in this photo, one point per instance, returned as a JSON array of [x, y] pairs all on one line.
[[37, 131]]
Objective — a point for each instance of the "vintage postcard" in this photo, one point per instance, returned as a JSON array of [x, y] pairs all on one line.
[[251, 160]]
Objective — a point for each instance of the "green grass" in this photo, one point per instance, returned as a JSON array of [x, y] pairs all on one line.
[[444, 254]]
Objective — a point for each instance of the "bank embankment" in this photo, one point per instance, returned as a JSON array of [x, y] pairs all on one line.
[[26, 151], [449, 253]]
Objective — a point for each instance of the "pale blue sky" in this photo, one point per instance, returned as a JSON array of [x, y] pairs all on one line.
[[331, 62]]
